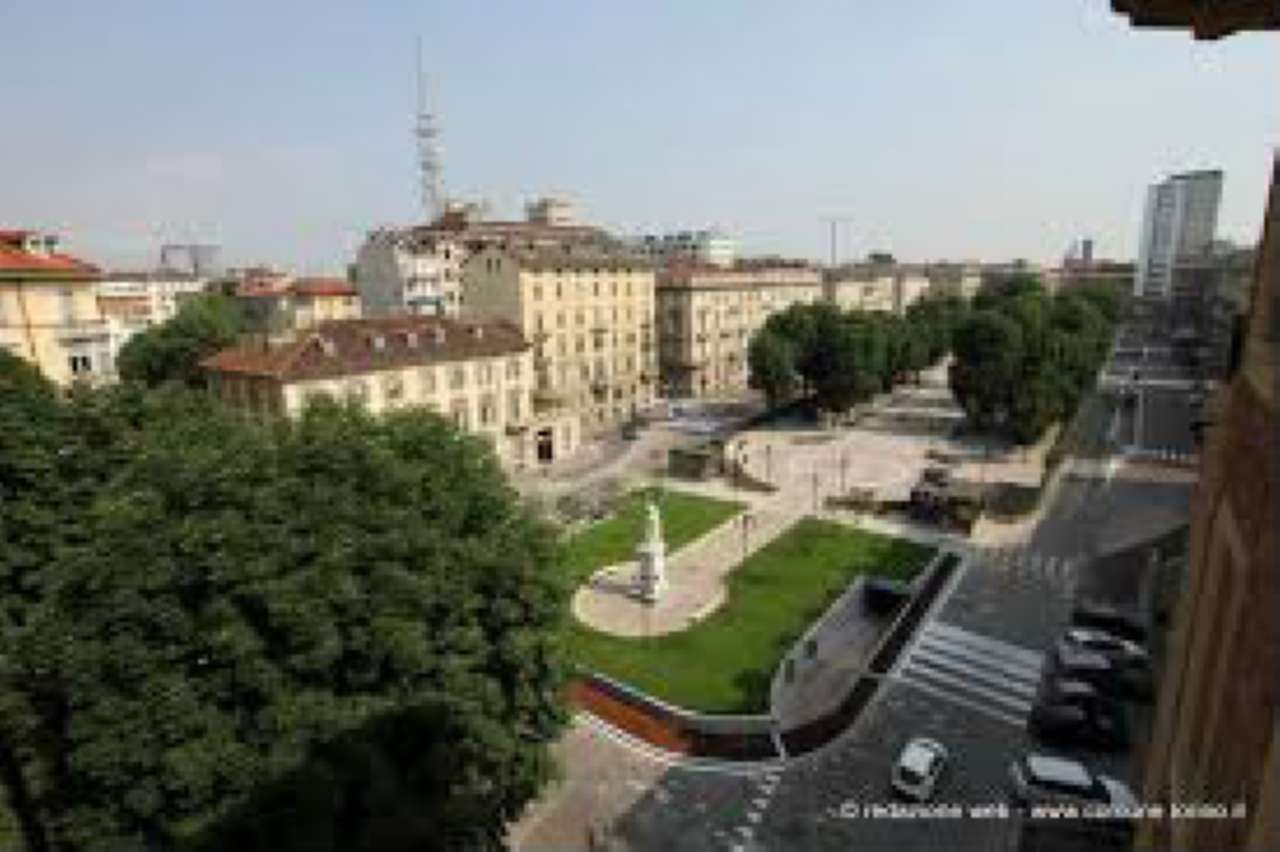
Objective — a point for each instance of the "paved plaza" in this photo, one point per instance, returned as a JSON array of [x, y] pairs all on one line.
[[805, 466], [965, 678]]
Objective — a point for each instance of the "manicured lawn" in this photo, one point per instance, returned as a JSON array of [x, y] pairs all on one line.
[[685, 517], [725, 663]]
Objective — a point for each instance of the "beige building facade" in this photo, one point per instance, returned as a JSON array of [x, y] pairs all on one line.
[[49, 310], [132, 302], [477, 374], [887, 288], [707, 315], [419, 269], [589, 314]]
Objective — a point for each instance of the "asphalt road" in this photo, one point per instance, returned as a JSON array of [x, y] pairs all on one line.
[[967, 679]]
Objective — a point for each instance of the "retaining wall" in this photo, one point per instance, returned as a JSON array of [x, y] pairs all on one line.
[[752, 737]]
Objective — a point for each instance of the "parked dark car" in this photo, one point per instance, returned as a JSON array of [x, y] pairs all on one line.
[[937, 475], [1071, 663], [881, 596], [1070, 712], [1114, 621]]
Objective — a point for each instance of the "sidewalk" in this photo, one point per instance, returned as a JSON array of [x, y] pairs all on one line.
[[695, 579]]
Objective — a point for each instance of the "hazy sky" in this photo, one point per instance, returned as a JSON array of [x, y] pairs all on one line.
[[988, 129]]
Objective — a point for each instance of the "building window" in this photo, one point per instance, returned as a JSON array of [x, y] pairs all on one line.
[[458, 413], [81, 365], [68, 304], [513, 368], [427, 380], [487, 412], [513, 405], [537, 292], [358, 390], [393, 388], [458, 377]]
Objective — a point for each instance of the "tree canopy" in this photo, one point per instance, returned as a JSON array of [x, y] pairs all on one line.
[[173, 350], [201, 609], [1024, 359], [841, 358]]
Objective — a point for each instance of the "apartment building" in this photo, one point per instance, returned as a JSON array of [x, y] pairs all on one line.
[[49, 311], [961, 280], [1180, 222], [419, 270], [276, 304], [131, 302], [706, 316], [892, 287], [589, 313], [478, 374], [709, 247], [861, 289]]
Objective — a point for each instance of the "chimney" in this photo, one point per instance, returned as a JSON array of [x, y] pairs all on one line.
[[438, 333]]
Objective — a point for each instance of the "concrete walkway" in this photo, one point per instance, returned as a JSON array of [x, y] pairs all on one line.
[[695, 577], [806, 467]]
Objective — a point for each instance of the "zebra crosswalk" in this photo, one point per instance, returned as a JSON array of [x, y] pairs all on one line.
[[1163, 455], [1027, 564], [995, 678]]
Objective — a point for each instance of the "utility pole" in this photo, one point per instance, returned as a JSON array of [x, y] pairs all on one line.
[[832, 222]]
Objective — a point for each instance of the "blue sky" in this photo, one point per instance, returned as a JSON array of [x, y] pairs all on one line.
[[990, 130]]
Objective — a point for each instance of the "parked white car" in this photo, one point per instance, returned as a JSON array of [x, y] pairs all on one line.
[[1101, 642], [1039, 779], [916, 773]]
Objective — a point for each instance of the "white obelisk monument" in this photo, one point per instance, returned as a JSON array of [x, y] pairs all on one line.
[[651, 557]]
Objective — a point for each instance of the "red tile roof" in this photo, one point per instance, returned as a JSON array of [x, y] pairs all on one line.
[[349, 347], [16, 260], [322, 287]]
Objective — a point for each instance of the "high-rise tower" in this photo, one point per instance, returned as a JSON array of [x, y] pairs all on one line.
[[1180, 222]]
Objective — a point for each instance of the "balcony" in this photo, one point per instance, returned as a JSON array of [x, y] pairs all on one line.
[[548, 400], [83, 331]]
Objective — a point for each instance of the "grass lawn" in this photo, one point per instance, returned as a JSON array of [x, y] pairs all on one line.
[[685, 517], [724, 664]]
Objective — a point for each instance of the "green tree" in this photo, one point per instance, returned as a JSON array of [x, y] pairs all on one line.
[[212, 604], [771, 361], [172, 351], [932, 321], [987, 367], [1046, 348]]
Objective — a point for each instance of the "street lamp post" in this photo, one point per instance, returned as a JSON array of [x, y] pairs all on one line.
[[815, 492]]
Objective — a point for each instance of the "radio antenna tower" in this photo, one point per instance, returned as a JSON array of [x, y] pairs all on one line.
[[427, 134]]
